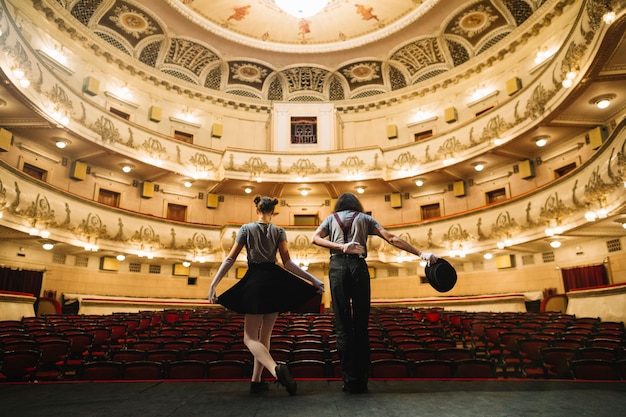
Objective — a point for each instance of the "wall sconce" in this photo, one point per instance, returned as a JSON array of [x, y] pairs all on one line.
[[603, 101], [568, 81], [609, 17], [553, 231]]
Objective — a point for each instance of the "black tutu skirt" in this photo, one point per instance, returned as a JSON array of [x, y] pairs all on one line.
[[267, 288]]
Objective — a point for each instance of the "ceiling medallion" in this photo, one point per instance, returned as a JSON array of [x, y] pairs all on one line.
[[476, 21], [132, 22], [362, 72], [249, 73]]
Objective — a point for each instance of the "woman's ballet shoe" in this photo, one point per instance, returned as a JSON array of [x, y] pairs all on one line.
[[284, 378], [258, 387]]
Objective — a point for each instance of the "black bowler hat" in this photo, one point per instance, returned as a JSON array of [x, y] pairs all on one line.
[[441, 275]]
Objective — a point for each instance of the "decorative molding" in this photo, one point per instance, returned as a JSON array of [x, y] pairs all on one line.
[[37, 152], [185, 122], [483, 98], [106, 177], [121, 100]]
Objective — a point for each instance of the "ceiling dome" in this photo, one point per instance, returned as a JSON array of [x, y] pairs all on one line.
[[340, 25], [351, 50]]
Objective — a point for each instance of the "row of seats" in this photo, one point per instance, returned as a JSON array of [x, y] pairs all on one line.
[[511, 342]]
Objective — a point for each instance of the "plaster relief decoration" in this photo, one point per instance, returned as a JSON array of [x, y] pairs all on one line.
[[199, 246], [505, 227], [39, 212], [90, 230], [105, 127], [456, 238], [146, 240]]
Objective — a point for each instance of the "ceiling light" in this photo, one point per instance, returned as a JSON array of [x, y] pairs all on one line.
[[479, 166], [62, 143], [488, 255], [248, 189], [603, 101], [120, 257], [48, 246], [301, 8], [127, 167], [419, 182], [186, 264], [187, 184], [555, 244], [360, 189], [541, 142], [304, 191]]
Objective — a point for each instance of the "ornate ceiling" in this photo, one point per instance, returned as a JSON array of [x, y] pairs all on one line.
[[351, 50]]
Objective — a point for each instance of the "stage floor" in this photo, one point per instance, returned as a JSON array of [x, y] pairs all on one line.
[[316, 398]]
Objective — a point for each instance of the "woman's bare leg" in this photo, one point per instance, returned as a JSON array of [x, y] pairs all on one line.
[[257, 334]]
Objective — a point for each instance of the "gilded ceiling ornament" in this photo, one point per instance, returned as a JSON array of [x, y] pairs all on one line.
[[190, 55], [475, 21], [249, 73], [362, 72], [305, 78], [132, 22], [419, 55]]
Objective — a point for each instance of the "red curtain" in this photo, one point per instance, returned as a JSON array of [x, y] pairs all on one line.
[[18, 280], [584, 277]]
